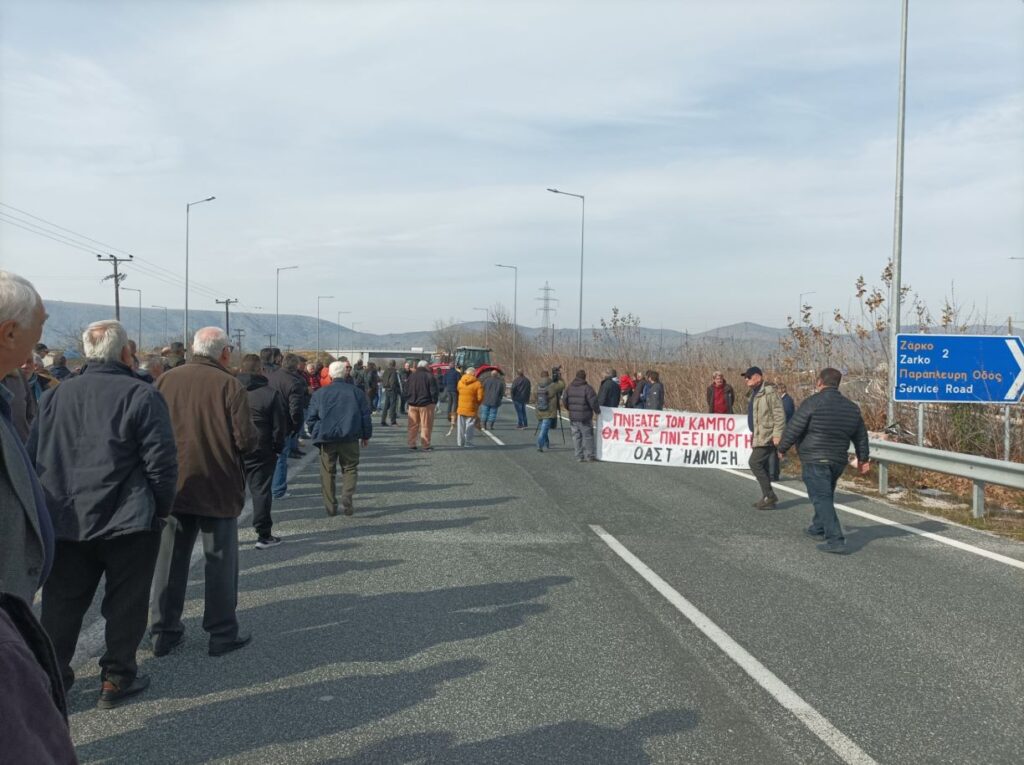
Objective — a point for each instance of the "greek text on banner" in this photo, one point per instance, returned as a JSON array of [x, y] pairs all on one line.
[[679, 439]]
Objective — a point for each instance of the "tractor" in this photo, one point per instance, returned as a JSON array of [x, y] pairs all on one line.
[[467, 356]]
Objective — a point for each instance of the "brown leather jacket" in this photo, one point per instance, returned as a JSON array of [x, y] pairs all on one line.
[[213, 429]]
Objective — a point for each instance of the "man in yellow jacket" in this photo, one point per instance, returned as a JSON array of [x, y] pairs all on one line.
[[471, 395]]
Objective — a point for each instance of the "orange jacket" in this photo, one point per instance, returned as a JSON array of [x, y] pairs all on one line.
[[471, 395]]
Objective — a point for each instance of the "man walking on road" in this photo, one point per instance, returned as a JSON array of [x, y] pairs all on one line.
[[26, 531], [471, 395], [340, 421], [766, 421], [520, 395], [822, 430], [390, 383], [423, 395], [104, 451], [548, 395], [494, 392], [213, 430], [287, 380], [270, 417], [581, 402]]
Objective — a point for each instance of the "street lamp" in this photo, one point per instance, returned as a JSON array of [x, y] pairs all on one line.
[[277, 303], [188, 208], [318, 299], [800, 303], [583, 216], [133, 289], [338, 322], [515, 312], [487, 314], [166, 336]]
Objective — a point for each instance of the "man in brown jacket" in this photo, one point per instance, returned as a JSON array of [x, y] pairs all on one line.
[[213, 429]]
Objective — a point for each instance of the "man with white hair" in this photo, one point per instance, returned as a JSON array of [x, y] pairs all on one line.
[[340, 422], [104, 450], [214, 431], [26, 532], [422, 392]]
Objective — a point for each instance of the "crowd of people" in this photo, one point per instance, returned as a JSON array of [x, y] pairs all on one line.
[[114, 470]]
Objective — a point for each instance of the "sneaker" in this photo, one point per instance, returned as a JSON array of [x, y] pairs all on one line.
[[817, 535], [832, 547], [112, 695], [225, 648], [268, 541]]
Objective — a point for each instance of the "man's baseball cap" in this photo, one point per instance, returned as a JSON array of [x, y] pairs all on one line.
[[753, 371]]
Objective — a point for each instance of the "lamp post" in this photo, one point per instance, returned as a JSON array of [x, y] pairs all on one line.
[[277, 302], [318, 299], [800, 304], [166, 336], [139, 338], [338, 322], [486, 320], [188, 209], [583, 216], [515, 312]]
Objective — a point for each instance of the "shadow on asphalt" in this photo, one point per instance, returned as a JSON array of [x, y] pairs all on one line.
[[858, 537], [577, 742], [389, 486], [447, 504], [299, 573], [300, 714]]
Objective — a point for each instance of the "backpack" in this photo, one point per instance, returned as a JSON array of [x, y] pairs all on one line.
[[543, 400]]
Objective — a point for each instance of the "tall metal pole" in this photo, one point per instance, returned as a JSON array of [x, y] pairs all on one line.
[[277, 303], [188, 209], [487, 314], [515, 312], [318, 299], [583, 221], [138, 338], [897, 236], [166, 340], [338, 322]]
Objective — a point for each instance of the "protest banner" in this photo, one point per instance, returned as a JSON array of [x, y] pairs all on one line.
[[667, 437]]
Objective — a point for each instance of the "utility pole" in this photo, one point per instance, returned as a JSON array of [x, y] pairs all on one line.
[[117, 277], [227, 316], [239, 334], [270, 340]]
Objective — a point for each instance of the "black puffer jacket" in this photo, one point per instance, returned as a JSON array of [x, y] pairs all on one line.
[[269, 414], [823, 428], [295, 392], [581, 402]]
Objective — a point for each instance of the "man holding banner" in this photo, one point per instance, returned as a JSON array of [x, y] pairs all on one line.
[[766, 420]]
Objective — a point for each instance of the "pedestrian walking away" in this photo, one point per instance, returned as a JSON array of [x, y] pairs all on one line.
[[520, 395], [341, 422], [270, 418], [26, 531], [609, 394], [471, 395], [213, 431], [581, 403], [423, 394], [549, 392], [287, 380], [451, 387], [766, 421], [822, 430], [105, 453], [494, 392], [392, 394]]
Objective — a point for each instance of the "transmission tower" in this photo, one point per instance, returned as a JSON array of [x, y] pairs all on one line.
[[547, 312]]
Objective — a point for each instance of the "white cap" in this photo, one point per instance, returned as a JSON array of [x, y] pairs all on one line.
[[336, 369]]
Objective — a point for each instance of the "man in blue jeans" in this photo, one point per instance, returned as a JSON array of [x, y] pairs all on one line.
[[520, 394], [822, 430]]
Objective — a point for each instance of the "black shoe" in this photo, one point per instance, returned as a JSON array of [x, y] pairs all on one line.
[[412, 448], [332, 511], [540, 449], [166, 642], [591, 459], [268, 541], [349, 510], [239, 642], [833, 547], [818, 535], [111, 695]]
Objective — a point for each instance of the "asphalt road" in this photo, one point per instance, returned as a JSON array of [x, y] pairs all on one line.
[[470, 613]]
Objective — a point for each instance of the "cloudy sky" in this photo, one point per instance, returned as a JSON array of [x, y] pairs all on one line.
[[733, 154]]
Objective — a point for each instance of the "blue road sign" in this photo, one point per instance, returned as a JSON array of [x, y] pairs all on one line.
[[974, 369]]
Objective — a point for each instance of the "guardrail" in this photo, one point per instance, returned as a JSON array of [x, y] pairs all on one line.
[[980, 470]]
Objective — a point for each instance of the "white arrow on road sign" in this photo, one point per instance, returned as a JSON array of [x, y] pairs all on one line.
[[1018, 356]]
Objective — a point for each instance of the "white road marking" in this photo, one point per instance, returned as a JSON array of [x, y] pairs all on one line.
[[838, 742], [494, 438], [909, 529]]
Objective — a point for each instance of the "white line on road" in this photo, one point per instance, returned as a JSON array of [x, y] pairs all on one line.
[[910, 529], [494, 438], [839, 743]]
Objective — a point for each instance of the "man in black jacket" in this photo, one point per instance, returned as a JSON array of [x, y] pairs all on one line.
[[581, 403], [270, 416], [340, 421], [822, 429], [390, 383], [293, 389], [520, 395], [609, 394], [105, 454], [423, 395]]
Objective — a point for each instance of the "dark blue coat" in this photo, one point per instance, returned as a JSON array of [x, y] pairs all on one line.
[[339, 412], [105, 454]]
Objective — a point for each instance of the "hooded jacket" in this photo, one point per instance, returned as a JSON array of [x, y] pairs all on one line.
[[581, 402], [269, 414], [104, 451], [294, 391], [554, 392], [471, 395]]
